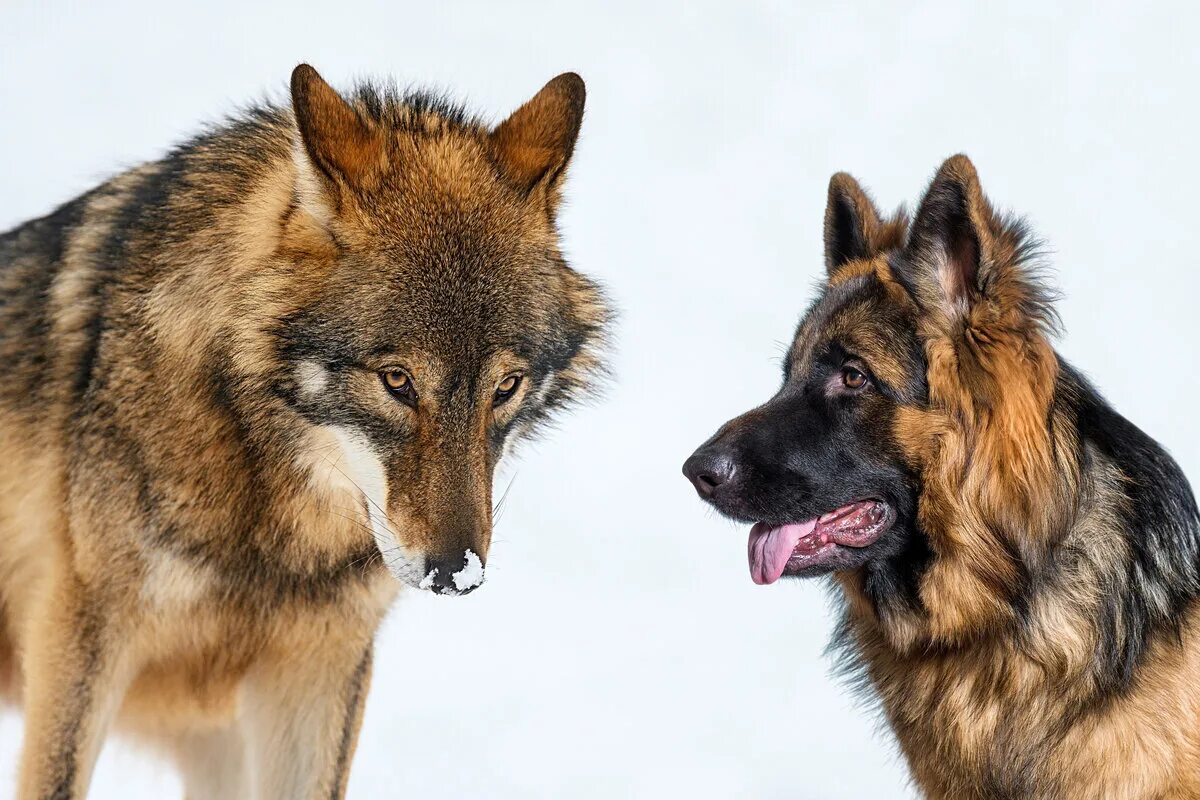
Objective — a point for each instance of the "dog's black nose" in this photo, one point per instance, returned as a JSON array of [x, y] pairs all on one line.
[[707, 470]]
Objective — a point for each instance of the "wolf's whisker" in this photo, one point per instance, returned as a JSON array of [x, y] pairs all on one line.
[[499, 506], [354, 483]]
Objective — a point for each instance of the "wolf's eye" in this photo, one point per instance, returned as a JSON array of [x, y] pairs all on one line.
[[852, 378], [399, 384], [506, 389]]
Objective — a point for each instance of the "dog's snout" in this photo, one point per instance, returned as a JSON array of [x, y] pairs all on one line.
[[453, 575], [708, 469]]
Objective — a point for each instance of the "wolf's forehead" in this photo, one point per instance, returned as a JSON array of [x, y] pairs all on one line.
[[482, 291], [455, 306], [439, 230], [426, 222]]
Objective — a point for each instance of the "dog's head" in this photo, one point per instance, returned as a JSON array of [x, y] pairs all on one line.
[[908, 449], [437, 321]]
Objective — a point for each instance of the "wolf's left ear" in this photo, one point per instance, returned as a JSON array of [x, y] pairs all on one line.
[[534, 145], [343, 146]]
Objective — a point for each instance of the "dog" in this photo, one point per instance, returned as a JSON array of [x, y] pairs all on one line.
[[253, 388], [1017, 564]]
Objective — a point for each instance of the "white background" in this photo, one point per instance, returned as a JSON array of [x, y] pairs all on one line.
[[619, 648]]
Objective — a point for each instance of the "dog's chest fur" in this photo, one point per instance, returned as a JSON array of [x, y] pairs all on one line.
[[972, 723]]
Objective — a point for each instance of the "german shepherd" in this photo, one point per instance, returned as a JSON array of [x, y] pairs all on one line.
[[1018, 563], [248, 390]]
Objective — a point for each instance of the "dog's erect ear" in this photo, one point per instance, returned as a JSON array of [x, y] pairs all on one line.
[[961, 252], [534, 145], [952, 242], [342, 146], [851, 223]]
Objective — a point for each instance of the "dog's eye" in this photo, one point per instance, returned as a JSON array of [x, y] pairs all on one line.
[[399, 384], [506, 389], [852, 378]]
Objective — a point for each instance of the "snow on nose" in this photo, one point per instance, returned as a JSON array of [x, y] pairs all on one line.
[[471, 575], [441, 580]]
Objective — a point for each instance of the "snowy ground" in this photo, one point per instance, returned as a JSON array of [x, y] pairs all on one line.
[[619, 648]]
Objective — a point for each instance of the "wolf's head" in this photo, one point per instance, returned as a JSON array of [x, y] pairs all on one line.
[[910, 448], [437, 321]]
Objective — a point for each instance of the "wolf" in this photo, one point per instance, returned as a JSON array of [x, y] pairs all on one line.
[[253, 388], [1017, 564]]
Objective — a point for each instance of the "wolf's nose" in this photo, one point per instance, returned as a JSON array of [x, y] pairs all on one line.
[[453, 574], [707, 470]]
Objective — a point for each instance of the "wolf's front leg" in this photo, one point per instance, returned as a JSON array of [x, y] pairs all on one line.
[[77, 668], [213, 764], [302, 720]]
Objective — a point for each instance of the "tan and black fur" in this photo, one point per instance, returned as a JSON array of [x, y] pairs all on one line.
[[248, 390], [1029, 622]]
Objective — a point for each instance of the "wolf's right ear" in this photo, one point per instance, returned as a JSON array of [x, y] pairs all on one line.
[[342, 146], [534, 145]]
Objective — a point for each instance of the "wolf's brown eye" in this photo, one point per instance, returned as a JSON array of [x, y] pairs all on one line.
[[398, 382], [506, 389], [852, 378]]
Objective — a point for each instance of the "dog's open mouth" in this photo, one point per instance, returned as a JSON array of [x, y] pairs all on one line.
[[816, 544]]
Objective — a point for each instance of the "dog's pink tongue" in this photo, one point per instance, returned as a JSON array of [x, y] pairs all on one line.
[[770, 548]]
